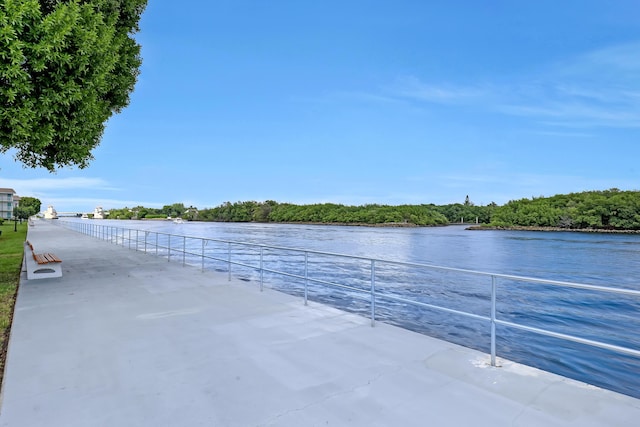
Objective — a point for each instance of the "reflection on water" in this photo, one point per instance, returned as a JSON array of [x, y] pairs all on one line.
[[600, 259]]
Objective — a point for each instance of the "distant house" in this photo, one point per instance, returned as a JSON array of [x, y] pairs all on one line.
[[8, 201], [50, 213], [98, 213]]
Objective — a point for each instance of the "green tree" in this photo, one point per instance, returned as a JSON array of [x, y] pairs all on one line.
[[174, 210], [65, 67], [31, 205], [21, 212]]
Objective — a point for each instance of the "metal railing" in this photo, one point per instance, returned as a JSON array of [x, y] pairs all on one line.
[[201, 252]]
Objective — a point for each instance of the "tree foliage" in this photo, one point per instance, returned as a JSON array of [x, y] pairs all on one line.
[[467, 212], [607, 210], [325, 213], [65, 67], [174, 210], [30, 205], [20, 212], [138, 212]]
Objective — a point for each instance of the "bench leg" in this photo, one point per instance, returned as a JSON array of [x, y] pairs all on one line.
[[45, 271]]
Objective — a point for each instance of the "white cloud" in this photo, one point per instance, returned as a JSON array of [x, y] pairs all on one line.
[[622, 57], [595, 89], [412, 87], [62, 193], [572, 113], [48, 185], [565, 134]]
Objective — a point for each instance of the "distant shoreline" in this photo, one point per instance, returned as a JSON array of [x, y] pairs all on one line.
[[570, 230], [411, 225], [353, 224]]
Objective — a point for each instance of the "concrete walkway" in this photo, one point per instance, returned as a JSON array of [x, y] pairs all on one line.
[[127, 339]]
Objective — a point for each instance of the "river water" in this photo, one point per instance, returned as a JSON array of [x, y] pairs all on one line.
[[611, 260]]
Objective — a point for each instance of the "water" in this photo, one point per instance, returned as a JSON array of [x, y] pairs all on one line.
[[611, 260]]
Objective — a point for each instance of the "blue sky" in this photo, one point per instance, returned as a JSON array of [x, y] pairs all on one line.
[[360, 102]]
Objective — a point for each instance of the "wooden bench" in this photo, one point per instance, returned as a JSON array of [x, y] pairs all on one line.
[[40, 266]]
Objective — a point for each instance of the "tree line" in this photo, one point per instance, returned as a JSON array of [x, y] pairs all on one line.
[[611, 209], [323, 213], [174, 210]]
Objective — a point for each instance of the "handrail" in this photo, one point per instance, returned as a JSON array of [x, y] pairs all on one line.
[[163, 246]]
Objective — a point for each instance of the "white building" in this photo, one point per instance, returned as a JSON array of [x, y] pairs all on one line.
[[50, 213], [8, 201], [98, 213]]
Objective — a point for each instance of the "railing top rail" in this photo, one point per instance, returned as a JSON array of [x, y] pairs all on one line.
[[597, 288]]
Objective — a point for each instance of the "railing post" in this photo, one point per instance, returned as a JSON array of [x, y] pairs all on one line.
[[306, 278], [146, 235], [373, 292], [129, 239], [156, 243], [137, 239], [169, 248], [184, 250], [229, 259], [261, 270], [493, 320], [202, 254]]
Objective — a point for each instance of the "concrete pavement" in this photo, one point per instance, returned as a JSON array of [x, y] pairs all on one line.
[[127, 339]]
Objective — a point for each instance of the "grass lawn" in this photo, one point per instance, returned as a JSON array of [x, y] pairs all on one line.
[[10, 262]]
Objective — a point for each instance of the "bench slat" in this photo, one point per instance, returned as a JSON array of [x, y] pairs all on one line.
[[40, 259], [51, 257]]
